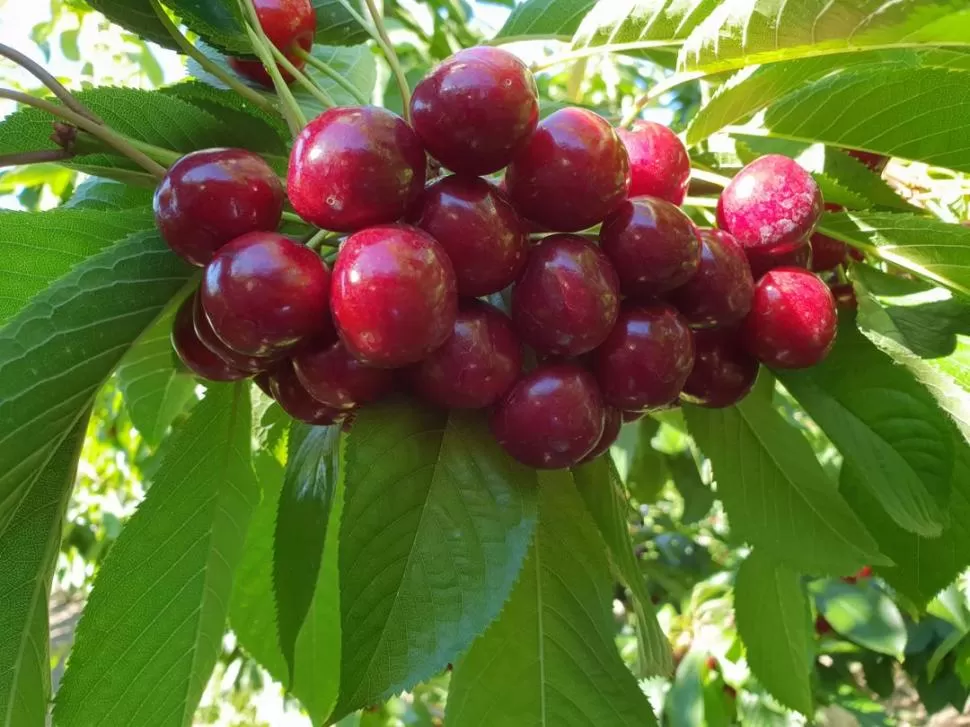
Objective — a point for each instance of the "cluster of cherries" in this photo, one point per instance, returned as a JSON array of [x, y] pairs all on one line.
[[481, 291]]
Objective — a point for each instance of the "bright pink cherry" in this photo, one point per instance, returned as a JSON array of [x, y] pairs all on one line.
[[659, 164], [289, 25]]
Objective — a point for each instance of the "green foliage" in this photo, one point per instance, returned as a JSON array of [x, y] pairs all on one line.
[[864, 614], [335, 25], [629, 25], [545, 19]]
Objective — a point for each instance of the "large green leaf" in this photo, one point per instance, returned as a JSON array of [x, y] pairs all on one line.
[[775, 623], [38, 248], [305, 504], [136, 16], [886, 426], [103, 194], [28, 550], [743, 32], [865, 614], [156, 388], [336, 25], [219, 22], [599, 486], [775, 492], [536, 19], [152, 628], [550, 659], [56, 352], [684, 704], [435, 529], [629, 25]]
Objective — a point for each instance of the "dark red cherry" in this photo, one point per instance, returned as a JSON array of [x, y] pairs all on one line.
[[844, 295], [652, 244], [567, 298], [264, 293], [792, 323], [875, 162], [571, 173], [720, 292], [646, 359], [475, 110], [203, 329], [613, 421], [551, 418], [394, 295], [335, 378], [193, 353], [263, 381], [659, 164], [761, 260], [476, 365], [354, 167], [289, 25], [210, 197], [827, 253], [772, 202], [479, 229], [723, 372], [292, 396]]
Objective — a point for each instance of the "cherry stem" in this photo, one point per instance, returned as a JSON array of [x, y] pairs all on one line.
[[384, 41], [55, 86], [199, 57], [35, 157], [291, 109], [658, 90], [308, 83], [109, 137], [332, 73], [320, 239], [293, 217]]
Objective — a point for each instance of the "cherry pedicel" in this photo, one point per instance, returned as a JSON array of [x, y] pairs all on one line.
[[659, 164], [335, 378], [476, 365], [263, 293], [353, 167], [193, 353], [394, 295], [551, 418], [289, 25], [572, 172], [720, 293], [793, 322], [723, 373], [479, 229], [476, 110], [567, 299], [653, 246], [292, 396], [210, 197]]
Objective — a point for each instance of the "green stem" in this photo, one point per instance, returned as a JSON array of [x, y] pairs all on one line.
[[703, 173], [320, 239], [656, 92], [308, 83], [390, 55], [199, 57], [331, 73], [291, 109], [293, 217], [55, 86], [159, 154]]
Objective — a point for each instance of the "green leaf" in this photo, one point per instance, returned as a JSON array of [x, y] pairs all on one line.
[[536, 19], [138, 17], [152, 628], [648, 470], [28, 550], [886, 426], [743, 32], [698, 497], [864, 614], [356, 66], [219, 22], [934, 250], [305, 503], [684, 705], [57, 352], [336, 26], [38, 248], [775, 623], [434, 532], [599, 486], [550, 658], [775, 492], [103, 194], [156, 389], [630, 25]]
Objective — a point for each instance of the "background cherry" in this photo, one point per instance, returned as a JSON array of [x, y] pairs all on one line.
[[334, 377], [209, 339], [292, 396], [659, 163], [567, 298], [723, 372], [720, 292], [761, 259], [613, 422], [354, 167], [209, 197], [394, 295], [193, 353], [571, 173], [551, 418], [476, 109], [264, 293], [875, 162], [288, 24]]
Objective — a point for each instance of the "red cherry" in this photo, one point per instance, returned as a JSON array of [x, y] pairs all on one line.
[[792, 323], [193, 353], [351, 168], [770, 203], [203, 329], [875, 162], [723, 374], [335, 378], [659, 164], [394, 295], [210, 197], [288, 24], [612, 422], [475, 110], [551, 418], [720, 292], [476, 365], [652, 244], [572, 172], [827, 253], [567, 299], [646, 359], [844, 295], [479, 229], [711, 663], [864, 572], [264, 293], [290, 394], [822, 626], [761, 260]]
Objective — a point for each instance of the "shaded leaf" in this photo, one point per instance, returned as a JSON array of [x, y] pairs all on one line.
[[698, 497], [648, 470], [864, 614], [138, 17], [336, 26], [684, 705]]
